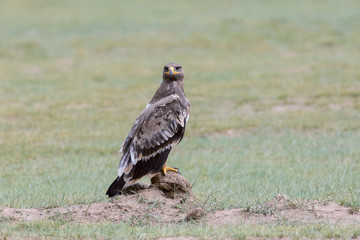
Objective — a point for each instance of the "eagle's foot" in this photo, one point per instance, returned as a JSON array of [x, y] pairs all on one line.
[[165, 169]]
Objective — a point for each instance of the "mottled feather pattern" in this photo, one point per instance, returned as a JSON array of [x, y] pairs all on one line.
[[157, 129]]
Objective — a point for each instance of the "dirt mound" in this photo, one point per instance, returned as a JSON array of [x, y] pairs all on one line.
[[169, 200]]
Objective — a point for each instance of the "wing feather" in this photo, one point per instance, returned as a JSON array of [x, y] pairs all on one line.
[[155, 131]]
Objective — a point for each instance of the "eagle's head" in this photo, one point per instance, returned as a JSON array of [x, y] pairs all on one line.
[[173, 72]]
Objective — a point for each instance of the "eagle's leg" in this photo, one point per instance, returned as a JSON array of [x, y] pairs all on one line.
[[164, 169]]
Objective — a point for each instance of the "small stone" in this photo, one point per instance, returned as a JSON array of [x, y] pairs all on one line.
[[195, 214]]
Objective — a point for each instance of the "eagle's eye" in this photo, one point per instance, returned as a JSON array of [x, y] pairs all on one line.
[[178, 68], [166, 69]]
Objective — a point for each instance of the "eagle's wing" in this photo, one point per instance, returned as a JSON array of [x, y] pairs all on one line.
[[155, 131]]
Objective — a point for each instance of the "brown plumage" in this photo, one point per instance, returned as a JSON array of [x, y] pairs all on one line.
[[156, 130]]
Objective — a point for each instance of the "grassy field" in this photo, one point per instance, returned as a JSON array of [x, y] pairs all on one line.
[[274, 87]]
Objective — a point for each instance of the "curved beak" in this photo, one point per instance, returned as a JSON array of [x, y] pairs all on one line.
[[172, 71]]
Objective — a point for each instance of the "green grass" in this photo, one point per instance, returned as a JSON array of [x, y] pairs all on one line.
[[124, 231], [274, 87]]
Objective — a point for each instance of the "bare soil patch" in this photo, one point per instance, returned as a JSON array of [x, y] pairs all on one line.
[[282, 209], [169, 200]]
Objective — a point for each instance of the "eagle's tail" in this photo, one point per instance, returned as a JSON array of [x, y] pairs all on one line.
[[116, 187]]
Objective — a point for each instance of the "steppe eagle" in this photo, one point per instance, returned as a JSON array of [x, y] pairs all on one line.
[[155, 131]]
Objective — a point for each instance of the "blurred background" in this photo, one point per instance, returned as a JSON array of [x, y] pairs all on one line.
[[274, 87]]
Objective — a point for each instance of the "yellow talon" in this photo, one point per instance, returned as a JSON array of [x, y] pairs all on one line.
[[165, 169]]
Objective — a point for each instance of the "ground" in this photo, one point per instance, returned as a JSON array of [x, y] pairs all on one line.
[[274, 127], [169, 200]]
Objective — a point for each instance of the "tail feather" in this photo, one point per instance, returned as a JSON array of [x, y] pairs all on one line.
[[116, 187]]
